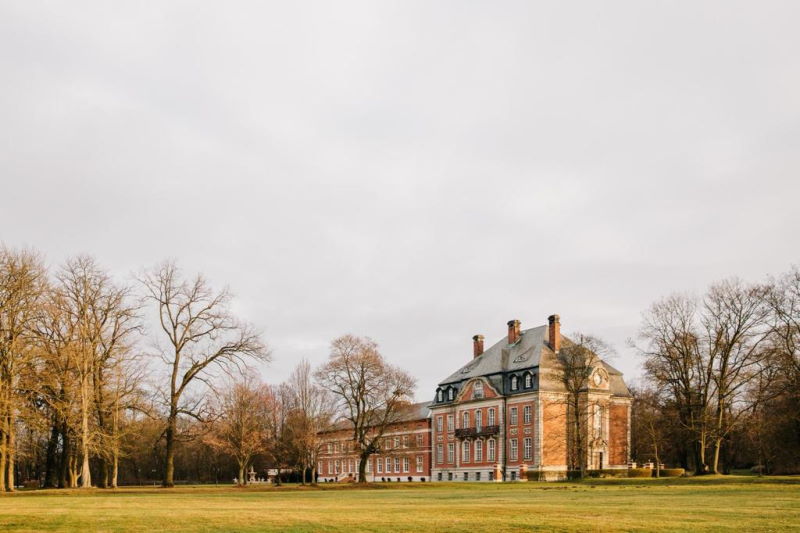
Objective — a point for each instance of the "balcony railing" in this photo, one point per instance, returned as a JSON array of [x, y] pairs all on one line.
[[483, 431]]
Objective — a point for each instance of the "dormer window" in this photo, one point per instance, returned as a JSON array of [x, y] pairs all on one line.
[[528, 381], [477, 390], [514, 383], [439, 395], [451, 394]]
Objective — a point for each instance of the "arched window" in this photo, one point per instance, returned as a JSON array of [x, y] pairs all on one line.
[[451, 392], [478, 419], [514, 383], [465, 419], [477, 389], [439, 395], [528, 381], [491, 416]]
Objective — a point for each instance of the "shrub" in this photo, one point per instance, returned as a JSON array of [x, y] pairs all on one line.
[[607, 473], [640, 472], [670, 472]]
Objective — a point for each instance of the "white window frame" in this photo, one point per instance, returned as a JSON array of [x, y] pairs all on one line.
[[477, 390], [439, 424], [491, 450], [465, 419], [491, 417], [420, 464], [513, 450], [478, 419], [526, 414], [439, 453], [406, 464], [388, 465], [527, 448], [514, 383], [379, 464], [514, 418], [528, 381], [478, 451], [465, 452], [451, 453], [450, 423]]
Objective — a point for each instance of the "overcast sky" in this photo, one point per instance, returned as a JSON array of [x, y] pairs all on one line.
[[417, 172]]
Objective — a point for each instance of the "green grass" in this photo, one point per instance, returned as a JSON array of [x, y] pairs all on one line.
[[730, 503]]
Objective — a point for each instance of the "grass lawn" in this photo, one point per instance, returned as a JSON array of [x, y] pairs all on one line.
[[732, 503]]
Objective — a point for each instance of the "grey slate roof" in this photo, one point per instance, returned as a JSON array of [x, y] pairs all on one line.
[[501, 357]]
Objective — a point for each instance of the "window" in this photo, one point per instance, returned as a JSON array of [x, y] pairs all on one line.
[[513, 416], [528, 381], [439, 395], [477, 389], [478, 419], [491, 475], [439, 476], [465, 452], [405, 464], [330, 448], [352, 466], [491, 446], [465, 419], [598, 420], [451, 394], [450, 422], [439, 424], [319, 467], [439, 453], [420, 441], [369, 462], [379, 464], [419, 464], [451, 453], [478, 451], [397, 442], [477, 476], [466, 476], [514, 383], [337, 466], [513, 475], [330, 471], [405, 441], [526, 414], [388, 465], [527, 449], [491, 416], [514, 454]]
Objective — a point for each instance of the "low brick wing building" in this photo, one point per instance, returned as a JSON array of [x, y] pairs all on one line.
[[405, 451], [505, 414]]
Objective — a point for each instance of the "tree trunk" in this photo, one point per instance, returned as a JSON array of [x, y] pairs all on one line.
[[313, 475], [10, 456], [86, 473], [115, 469], [242, 480], [3, 449], [169, 465], [66, 452], [362, 467], [51, 460]]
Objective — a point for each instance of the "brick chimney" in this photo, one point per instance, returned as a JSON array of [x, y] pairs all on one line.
[[554, 332], [477, 345], [513, 331]]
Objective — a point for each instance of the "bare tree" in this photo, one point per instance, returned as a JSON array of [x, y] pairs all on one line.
[[202, 334], [22, 284], [577, 360], [369, 391], [240, 429], [313, 408], [675, 360]]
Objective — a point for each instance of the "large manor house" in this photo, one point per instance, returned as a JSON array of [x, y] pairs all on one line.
[[503, 416]]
